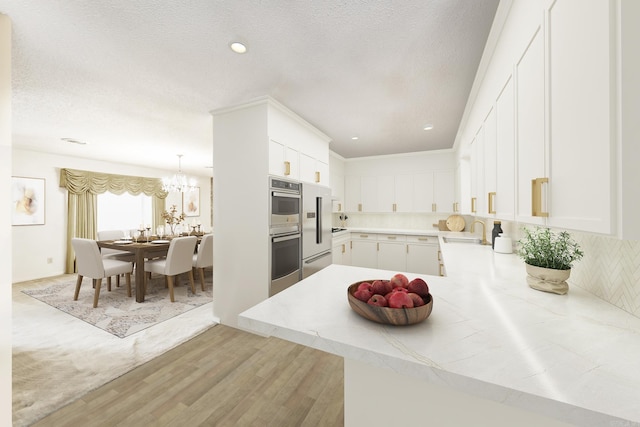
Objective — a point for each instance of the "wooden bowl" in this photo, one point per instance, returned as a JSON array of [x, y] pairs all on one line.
[[387, 315]]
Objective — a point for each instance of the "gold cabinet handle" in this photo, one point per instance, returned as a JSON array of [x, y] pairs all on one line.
[[287, 168], [317, 176], [359, 207], [536, 197], [364, 236], [339, 207], [351, 245], [378, 246], [455, 206], [391, 237], [473, 205], [394, 207], [423, 239], [344, 248], [407, 248], [440, 272], [439, 256], [433, 207], [490, 199]]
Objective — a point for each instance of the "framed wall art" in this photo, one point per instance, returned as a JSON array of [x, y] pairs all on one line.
[[191, 202], [28, 200]]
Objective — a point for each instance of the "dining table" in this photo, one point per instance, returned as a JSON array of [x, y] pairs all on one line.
[[142, 249]]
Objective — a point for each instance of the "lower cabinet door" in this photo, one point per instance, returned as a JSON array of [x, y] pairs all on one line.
[[364, 254], [423, 259], [392, 256]]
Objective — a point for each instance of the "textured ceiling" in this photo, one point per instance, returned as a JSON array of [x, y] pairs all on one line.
[[136, 79]]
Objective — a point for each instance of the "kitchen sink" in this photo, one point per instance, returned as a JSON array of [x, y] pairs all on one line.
[[462, 239]]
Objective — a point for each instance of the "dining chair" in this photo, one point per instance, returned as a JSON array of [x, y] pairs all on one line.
[[114, 253], [204, 258], [178, 260], [90, 263]]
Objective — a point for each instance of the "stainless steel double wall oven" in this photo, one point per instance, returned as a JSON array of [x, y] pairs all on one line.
[[285, 199]]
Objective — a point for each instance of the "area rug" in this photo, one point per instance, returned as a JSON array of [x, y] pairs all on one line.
[[58, 358], [118, 314]]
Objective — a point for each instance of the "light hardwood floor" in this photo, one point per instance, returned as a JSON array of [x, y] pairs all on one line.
[[222, 377]]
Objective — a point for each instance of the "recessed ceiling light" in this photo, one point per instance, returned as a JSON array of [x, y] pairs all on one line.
[[354, 138], [73, 141], [428, 127], [238, 47]]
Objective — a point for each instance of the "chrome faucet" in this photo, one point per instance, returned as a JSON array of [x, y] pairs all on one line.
[[484, 231]]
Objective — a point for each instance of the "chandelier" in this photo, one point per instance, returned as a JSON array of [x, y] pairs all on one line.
[[179, 183]]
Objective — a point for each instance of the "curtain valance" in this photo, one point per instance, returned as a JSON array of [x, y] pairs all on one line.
[[80, 182]]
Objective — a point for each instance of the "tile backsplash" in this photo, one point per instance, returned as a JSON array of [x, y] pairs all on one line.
[[610, 268]]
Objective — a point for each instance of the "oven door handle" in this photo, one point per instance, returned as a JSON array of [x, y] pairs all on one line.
[[289, 195], [285, 238]]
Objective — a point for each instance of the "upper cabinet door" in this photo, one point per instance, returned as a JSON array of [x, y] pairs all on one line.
[[504, 199], [444, 191], [530, 125], [581, 115]]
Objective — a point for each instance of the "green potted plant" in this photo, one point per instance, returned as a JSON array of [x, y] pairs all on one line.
[[548, 258]]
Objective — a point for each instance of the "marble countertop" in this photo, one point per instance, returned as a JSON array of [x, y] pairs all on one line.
[[572, 357]]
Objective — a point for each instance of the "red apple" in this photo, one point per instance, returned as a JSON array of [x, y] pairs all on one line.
[[400, 300], [381, 287], [417, 299], [378, 300], [363, 294], [365, 285], [399, 280], [394, 290], [419, 287]]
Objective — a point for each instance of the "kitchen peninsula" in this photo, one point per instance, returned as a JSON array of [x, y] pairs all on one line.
[[493, 352]]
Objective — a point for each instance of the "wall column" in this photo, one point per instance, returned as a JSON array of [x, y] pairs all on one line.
[[5, 220]]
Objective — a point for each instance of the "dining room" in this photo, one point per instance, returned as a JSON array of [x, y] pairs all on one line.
[[119, 322]]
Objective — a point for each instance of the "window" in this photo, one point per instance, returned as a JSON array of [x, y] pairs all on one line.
[[123, 212]]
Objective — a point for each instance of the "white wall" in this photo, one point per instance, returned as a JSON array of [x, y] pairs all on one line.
[[33, 245], [5, 221], [241, 243]]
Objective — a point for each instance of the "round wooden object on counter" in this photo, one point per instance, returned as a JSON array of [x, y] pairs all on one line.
[[387, 315], [455, 223]]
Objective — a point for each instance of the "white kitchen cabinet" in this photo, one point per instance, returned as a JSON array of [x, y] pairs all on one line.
[[404, 196], [422, 255], [392, 256], [385, 194], [392, 252], [283, 160], [423, 196], [361, 193], [341, 250], [241, 141], [313, 170], [477, 174], [565, 130], [352, 193], [497, 198], [489, 165], [434, 192], [443, 191], [364, 250], [581, 93], [530, 118], [368, 193], [504, 199], [337, 187]]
